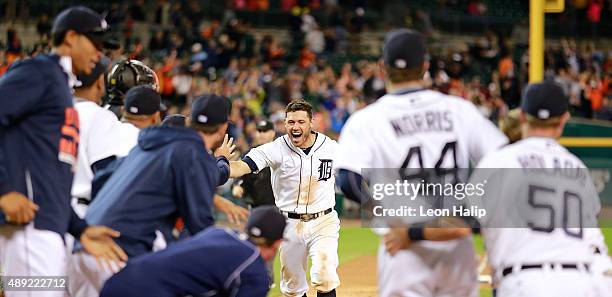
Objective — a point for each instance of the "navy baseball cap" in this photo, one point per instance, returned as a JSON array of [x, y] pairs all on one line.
[[404, 48], [142, 100], [175, 120], [266, 222], [100, 69], [82, 20], [210, 109], [544, 100], [264, 125]]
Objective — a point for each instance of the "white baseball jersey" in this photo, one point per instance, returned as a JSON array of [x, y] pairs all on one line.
[[99, 138], [301, 183], [542, 210], [419, 129], [128, 139]]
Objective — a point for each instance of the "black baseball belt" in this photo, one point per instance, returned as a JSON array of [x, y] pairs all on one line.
[[305, 217], [563, 266]]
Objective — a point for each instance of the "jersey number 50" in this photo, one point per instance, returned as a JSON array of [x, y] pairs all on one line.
[[568, 197]]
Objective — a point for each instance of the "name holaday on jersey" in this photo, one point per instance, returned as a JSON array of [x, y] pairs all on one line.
[[421, 211]]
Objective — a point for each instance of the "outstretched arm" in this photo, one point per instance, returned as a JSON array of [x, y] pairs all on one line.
[[239, 168]]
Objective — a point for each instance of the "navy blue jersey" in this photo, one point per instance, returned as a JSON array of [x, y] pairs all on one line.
[[215, 262], [39, 133], [167, 175]]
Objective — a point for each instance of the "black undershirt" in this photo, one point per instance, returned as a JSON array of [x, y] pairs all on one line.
[[307, 150]]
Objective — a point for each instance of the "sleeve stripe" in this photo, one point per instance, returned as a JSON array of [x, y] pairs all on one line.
[[251, 163]]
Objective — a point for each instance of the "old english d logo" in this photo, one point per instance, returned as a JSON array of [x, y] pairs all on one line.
[[325, 169]]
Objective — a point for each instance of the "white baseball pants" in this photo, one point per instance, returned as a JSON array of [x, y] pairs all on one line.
[[317, 239]]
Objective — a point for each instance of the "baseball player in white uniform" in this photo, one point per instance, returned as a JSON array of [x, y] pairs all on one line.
[[412, 127], [99, 130], [542, 200], [303, 186]]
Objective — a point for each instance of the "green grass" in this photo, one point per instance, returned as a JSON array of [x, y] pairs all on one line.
[[356, 242], [608, 235]]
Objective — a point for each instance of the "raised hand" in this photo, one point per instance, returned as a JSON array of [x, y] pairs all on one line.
[[226, 149]]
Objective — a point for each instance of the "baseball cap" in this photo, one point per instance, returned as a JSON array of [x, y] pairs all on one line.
[[175, 120], [544, 100], [404, 48], [210, 109], [82, 20], [264, 125], [266, 222], [90, 79], [142, 100]]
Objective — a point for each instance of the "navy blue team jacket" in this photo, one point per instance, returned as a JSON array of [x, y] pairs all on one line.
[[167, 175], [39, 139], [215, 262]]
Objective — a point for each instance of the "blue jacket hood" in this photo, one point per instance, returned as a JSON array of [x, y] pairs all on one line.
[[154, 137]]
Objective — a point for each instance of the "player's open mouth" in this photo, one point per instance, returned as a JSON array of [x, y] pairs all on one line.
[[296, 135]]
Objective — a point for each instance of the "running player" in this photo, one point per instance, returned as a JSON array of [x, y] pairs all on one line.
[[303, 185]]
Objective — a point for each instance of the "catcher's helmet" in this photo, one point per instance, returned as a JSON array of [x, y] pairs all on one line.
[[127, 74]]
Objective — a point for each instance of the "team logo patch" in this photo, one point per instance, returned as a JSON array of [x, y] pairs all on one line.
[[325, 169]]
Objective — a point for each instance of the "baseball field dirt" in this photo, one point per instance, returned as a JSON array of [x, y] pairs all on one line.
[[358, 277]]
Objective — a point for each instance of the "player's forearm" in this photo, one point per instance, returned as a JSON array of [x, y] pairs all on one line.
[[444, 234], [239, 168]]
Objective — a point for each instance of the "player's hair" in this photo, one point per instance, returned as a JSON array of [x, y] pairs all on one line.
[[136, 117], [534, 122], [57, 38], [297, 105], [261, 241], [511, 125], [205, 128], [396, 75]]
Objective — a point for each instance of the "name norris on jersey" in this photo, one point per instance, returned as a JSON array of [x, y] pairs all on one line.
[[423, 122], [410, 211]]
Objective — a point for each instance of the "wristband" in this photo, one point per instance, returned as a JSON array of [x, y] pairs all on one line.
[[416, 233]]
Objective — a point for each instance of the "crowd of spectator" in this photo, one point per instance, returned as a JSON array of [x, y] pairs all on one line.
[[193, 55]]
